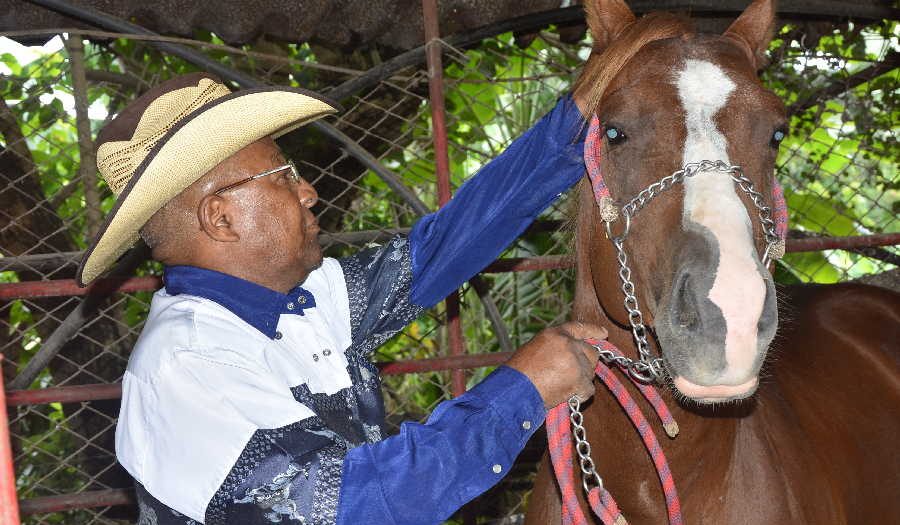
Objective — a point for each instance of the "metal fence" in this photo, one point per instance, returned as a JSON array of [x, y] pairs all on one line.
[[839, 169]]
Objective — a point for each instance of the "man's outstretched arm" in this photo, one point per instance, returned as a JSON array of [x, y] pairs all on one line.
[[389, 286], [496, 205]]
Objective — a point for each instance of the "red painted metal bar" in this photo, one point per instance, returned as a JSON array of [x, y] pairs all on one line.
[[68, 287], [436, 99], [64, 394], [529, 264], [442, 166], [816, 244], [82, 500], [9, 509], [95, 392], [437, 364]]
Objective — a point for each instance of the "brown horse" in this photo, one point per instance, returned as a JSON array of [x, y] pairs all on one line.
[[816, 439]]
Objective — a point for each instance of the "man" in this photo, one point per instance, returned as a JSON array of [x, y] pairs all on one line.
[[250, 396]]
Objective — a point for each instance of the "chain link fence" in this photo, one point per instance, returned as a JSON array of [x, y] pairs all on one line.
[[838, 167]]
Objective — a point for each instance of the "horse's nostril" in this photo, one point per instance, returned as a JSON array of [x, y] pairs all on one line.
[[684, 304], [687, 319]]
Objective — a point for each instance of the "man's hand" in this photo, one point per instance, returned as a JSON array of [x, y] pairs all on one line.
[[559, 362]]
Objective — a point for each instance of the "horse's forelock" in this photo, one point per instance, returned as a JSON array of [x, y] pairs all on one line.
[[601, 70]]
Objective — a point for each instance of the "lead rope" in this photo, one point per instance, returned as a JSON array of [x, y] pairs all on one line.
[[562, 419]]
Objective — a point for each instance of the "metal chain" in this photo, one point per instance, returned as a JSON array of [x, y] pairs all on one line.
[[649, 369], [589, 476]]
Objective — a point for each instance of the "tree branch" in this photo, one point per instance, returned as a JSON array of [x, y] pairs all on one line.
[[138, 84], [87, 170], [15, 140], [891, 61]]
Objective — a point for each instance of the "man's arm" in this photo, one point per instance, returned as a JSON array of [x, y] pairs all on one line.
[[428, 471], [496, 205], [303, 473], [391, 285], [425, 473]]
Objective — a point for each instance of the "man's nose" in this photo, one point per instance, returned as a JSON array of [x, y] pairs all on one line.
[[308, 195]]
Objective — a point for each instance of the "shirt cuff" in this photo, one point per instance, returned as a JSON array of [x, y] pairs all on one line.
[[512, 396], [518, 409]]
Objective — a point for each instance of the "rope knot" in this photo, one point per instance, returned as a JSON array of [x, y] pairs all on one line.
[[777, 249], [609, 212]]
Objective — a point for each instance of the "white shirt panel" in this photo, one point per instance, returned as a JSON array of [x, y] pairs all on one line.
[[327, 285], [201, 381]]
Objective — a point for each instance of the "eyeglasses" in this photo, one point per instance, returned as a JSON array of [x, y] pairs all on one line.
[[295, 177]]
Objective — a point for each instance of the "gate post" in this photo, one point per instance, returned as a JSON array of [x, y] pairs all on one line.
[[442, 167], [9, 503]]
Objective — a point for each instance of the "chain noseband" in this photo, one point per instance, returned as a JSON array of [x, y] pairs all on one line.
[[647, 368]]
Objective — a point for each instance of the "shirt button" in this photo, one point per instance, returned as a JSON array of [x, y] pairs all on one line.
[[526, 425], [326, 352], [315, 357], [290, 306], [277, 335], [301, 299], [497, 469]]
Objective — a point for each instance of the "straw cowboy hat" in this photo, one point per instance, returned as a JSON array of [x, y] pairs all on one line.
[[170, 137]]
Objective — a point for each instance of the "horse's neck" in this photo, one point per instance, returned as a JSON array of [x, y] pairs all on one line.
[[735, 451]]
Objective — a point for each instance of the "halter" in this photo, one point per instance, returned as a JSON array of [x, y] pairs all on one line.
[[564, 422], [649, 369]]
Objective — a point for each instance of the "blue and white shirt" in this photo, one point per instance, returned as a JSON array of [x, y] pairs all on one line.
[[245, 405]]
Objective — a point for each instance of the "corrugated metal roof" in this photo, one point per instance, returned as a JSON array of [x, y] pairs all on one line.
[[346, 24], [394, 24]]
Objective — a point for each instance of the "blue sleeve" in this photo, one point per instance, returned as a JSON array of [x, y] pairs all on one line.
[[427, 472], [496, 205]]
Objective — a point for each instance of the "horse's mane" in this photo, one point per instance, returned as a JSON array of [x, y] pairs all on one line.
[[600, 70]]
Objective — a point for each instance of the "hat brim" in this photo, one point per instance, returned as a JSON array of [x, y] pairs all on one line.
[[195, 145]]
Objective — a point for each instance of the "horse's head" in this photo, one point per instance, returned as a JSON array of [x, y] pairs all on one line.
[[667, 97]]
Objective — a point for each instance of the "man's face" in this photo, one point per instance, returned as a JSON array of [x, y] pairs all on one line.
[[278, 232]]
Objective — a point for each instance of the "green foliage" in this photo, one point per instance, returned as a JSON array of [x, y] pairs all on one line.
[[839, 161]]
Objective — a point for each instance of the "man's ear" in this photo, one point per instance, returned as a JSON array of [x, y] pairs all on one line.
[[217, 219], [753, 30]]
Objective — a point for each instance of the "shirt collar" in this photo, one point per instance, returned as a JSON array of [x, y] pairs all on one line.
[[258, 306]]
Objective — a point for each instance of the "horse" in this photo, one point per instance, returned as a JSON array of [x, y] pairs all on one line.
[[788, 399]]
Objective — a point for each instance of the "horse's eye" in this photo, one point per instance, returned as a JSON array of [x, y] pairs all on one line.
[[777, 137], [615, 135]]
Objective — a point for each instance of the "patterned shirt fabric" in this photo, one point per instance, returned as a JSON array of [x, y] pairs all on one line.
[[244, 405]]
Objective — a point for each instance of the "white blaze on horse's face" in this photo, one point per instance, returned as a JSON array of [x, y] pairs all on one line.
[[711, 201]]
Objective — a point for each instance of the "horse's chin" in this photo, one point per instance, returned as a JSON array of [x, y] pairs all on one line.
[[713, 394]]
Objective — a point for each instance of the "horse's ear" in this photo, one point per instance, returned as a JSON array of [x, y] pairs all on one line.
[[606, 19], [753, 30]]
